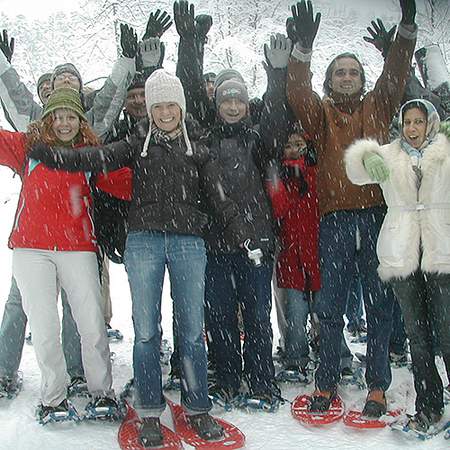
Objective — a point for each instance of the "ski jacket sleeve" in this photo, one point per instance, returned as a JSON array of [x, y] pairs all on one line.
[[12, 150], [305, 103], [279, 198], [118, 183], [109, 101], [275, 114], [17, 101], [189, 71], [104, 158], [390, 86]]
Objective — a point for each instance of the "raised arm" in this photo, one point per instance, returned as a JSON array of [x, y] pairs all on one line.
[[17, 101], [190, 61], [276, 113], [305, 103], [390, 86], [110, 99]]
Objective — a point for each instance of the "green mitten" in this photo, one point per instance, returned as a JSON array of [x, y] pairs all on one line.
[[445, 128], [376, 167]]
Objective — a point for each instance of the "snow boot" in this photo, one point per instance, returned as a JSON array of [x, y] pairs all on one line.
[[103, 407], [113, 334], [61, 413], [225, 397], [150, 433], [421, 421], [206, 426], [77, 387], [11, 386], [376, 405], [268, 400], [321, 401], [293, 374]]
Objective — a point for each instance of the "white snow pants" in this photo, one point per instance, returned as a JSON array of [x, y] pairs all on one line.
[[39, 275]]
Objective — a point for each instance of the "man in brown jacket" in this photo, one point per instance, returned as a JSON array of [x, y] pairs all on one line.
[[351, 216]]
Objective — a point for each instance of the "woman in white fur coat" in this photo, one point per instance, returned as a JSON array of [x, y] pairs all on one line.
[[413, 246]]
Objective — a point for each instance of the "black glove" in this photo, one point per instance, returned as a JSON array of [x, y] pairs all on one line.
[[7, 47], [203, 23], [408, 11], [291, 31], [381, 39], [128, 41], [184, 17], [157, 24], [306, 25], [42, 152]]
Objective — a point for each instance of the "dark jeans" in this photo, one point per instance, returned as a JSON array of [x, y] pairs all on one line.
[[425, 301], [339, 256], [354, 309], [398, 335], [232, 279]]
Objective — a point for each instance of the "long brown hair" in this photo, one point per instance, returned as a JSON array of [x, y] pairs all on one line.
[[41, 131]]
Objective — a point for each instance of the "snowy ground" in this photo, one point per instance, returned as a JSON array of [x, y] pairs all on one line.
[[20, 431]]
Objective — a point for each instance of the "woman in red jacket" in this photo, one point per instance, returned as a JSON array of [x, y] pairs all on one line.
[[54, 246]]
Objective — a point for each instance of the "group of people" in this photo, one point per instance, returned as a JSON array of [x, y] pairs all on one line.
[[229, 194]]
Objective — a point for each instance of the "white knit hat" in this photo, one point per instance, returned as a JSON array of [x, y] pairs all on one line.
[[161, 87]]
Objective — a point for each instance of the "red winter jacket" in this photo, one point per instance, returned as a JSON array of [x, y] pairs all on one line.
[[53, 212], [298, 215]]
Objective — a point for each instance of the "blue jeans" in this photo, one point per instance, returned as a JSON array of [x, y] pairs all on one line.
[[339, 256], [296, 352], [12, 336], [232, 279], [147, 254], [354, 308]]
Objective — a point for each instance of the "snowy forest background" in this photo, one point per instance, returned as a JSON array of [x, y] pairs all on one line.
[[89, 35]]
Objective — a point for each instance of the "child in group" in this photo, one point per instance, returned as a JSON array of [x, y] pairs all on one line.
[[413, 246], [171, 177], [295, 206], [54, 247]]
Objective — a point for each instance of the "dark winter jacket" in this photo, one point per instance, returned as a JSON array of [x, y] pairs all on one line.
[[243, 161], [168, 185], [293, 193]]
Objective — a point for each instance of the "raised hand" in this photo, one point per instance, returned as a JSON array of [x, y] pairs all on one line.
[[380, 38], [6, 47], [408, 11], [184, 17], [128, 41], [203, 23], [158, 23], [278, 51], [306, 25], [291, 31], [151, 52]]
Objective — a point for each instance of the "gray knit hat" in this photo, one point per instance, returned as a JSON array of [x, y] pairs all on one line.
[[66, 67], [227, 74], [231, 89], [162, 87]]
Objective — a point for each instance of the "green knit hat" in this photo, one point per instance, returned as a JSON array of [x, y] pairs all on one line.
[[66, 98]]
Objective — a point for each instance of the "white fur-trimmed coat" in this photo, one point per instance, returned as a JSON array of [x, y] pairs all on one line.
[[414, 218]]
